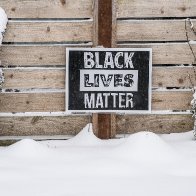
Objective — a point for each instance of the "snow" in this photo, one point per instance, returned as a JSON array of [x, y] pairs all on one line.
[[23, 147], [3, 23], [142, 164], [85, 137], [145, 146]]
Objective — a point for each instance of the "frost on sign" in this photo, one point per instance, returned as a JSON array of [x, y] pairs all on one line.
[[108, 80]]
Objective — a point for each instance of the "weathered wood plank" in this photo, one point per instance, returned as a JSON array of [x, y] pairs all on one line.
[[155, 123], [156, 8], [56, 54], [64, 31], [7, 142], [169, 53], [27, 126], [48, 8], [33, 78], [33, 55], [154, 30], [171, 100], [171, 76], [53, 102], [32, 102], [71, 125]]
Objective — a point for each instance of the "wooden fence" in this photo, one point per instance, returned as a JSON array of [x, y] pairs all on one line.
[[32, 99]]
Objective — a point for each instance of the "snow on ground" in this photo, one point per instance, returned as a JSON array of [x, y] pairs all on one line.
[[3, 23], [142, 164]]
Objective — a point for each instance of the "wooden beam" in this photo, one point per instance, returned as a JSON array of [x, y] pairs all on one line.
[[47, 8], [55, 102], [157, 123], [48, 126], [155, 8], [153, 30], [104, 123], [42, 125], [55, 55], [54, 78], [105, 23], [49, 31]]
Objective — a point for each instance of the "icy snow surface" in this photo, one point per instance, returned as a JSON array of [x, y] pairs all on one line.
[[144, 164], [3, 23]]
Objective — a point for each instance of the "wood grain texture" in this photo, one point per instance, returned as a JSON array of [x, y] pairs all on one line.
[[32, 102], [154, 30], [155, 123], [54, 102], [171, 100], [168, 53], [155, 8], [32, 55], [35, 78], [171, 76], [68, 31], [55, 55], [104, 121], [48, 8], [7, 142], [71, 125], [27, 126]]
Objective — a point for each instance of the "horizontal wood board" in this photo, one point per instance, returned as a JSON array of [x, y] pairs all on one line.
[[36, 125], [71, 125], [48, 8], [155, 123], [168, 53], [55, 55], [170, 76], [54, 31], [34, 78], [32, 55], [154, 30], [155, 8], [55, 101]]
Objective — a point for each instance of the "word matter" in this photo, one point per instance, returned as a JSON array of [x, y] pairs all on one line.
[[101, 100]]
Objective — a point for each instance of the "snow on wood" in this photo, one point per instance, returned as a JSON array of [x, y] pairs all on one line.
[[3, 23]]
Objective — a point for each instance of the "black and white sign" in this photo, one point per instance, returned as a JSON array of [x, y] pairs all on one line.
[[108, 80]]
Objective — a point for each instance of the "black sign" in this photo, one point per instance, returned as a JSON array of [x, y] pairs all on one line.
[[108, 80]]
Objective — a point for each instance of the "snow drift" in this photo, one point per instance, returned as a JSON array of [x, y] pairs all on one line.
[[27, 148], [3, 23], [79, 166], [147, 147], [85, 137]]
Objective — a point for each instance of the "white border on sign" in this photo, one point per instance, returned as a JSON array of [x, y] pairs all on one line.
[[109, 111]]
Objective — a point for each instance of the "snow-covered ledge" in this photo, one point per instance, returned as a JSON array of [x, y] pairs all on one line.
[[3, 24]]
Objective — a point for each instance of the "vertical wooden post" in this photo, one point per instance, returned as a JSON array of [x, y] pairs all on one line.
[[104, 124], [105, 23]]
